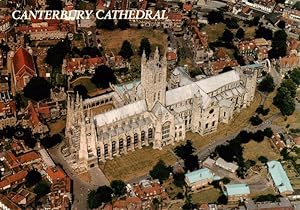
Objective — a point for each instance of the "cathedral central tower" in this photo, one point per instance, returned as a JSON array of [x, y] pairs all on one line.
[[154, 79]]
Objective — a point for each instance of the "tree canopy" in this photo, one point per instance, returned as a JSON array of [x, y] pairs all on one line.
[[227, 36], [215, 17], [54, 5], [37, 89], [102, 195], [160, 171], [33, 177], [284, 101], [240, 33], [50, 141], [126, 50], [290, 85], [267, 84], [279, 45], [105, 24], [81, 90], [183, 151], [103, 76], [145, 46], [232, 23], [118, 187], [191, 163], [123, 24], [263, 32], [56, 54], [295, 75], [42, 188]]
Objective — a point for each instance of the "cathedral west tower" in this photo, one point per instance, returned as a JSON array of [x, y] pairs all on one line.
[[153, 79]]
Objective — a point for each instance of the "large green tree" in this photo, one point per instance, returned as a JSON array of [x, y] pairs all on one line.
[[42, 188], [160, 171], [118, 187], [56, 54], [183, 151], [126, 50], [32, 178], [103, 76], [295, 75], [284, 101], [290, 85], [37, 89], [102, 195], [145, 46], [240, 33], [267, 84], [279, 45]]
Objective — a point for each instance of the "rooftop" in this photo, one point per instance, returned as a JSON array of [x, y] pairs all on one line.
[[198, 175], [237, 189], [279, 177]]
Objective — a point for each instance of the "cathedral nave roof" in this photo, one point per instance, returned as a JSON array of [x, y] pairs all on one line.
[[121, 113]]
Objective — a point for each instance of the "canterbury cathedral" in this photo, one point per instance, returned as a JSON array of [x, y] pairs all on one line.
[[155, 111]]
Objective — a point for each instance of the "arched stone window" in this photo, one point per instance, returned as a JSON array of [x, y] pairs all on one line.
[[113, 147], [105, 150], [128, 141], [150, 133], [121, 144], [135, 140], [166, 130], [143, 137]]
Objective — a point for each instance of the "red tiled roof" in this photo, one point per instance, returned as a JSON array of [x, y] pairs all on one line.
[[174, 16], [11, 159], [27, 157], [187, 7], [55, 173], [171, 56], [23, 60], [12, 179], [8, 203], [86, 63], [290, 62], [280, 145], [34, 118]]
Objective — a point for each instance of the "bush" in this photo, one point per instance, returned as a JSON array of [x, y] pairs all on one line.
[[263, 159], [255, 120]]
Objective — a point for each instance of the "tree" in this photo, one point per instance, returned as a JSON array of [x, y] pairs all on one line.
[[281, 24], [42, 188], [263, 159], [108, 24], [126, 50], [37, 89], [268, 197], [240, 33], [290, 85], [183, 151], [297, 5], [51, 141], [222, 200], [284, 101], [54, 5], [232, 23], [280, 1], [226, 69], [102, 195], [279, 45], [123, 24], [215, 17], [118, 187], [263, 32], [103, 76], [255, 120], [268, 132], [32, 178], [56, 54], [267, 84], [81, 90], [160, 171], [295, 75], [179, 179], [191, 163], [227, 36], [145, 46]]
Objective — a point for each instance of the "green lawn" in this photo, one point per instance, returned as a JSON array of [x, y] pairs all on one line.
[[207, 196], [86, 82]]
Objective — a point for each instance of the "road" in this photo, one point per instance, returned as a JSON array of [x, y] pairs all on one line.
[[80, 188]]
